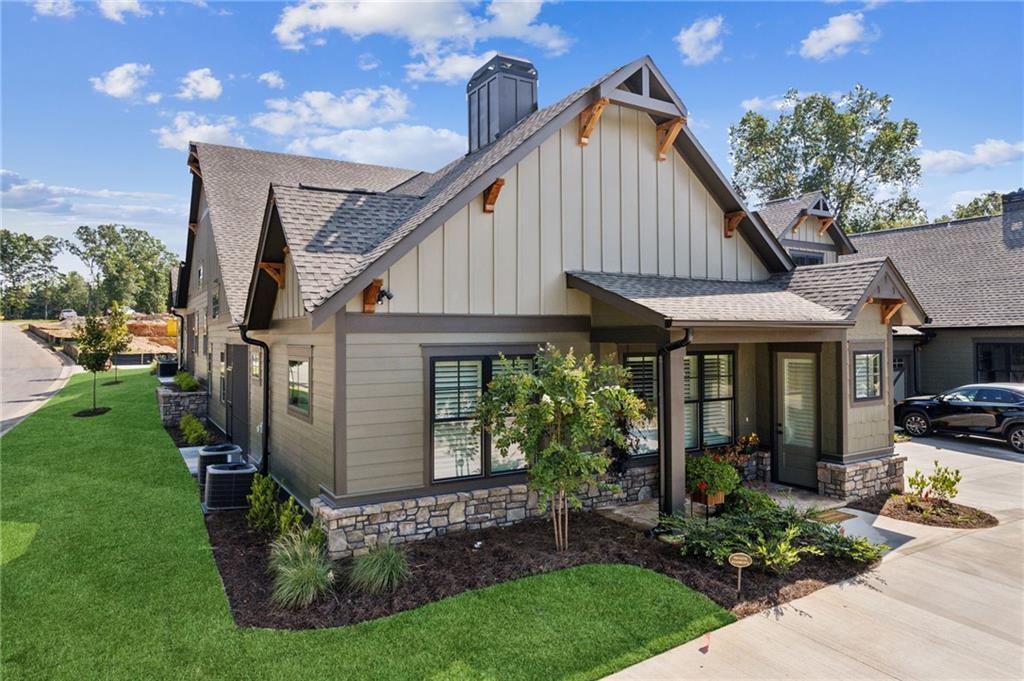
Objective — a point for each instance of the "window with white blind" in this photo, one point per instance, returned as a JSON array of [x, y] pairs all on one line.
[[709, 399], [459, 448], [643, 372], [867, 375]]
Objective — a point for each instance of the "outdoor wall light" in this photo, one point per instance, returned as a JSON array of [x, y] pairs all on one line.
[[384, 293]]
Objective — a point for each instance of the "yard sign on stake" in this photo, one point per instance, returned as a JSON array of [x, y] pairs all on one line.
[[739, 561]]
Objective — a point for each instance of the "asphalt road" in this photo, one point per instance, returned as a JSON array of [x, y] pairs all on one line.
[[29, 374]]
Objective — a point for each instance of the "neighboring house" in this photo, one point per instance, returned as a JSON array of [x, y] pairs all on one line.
[[384, 298], [969, 275], [807, 229]]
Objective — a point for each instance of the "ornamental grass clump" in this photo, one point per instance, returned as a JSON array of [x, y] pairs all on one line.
[[381, 570], [193, 430], [563, 414], [186, 382], [300, 567]]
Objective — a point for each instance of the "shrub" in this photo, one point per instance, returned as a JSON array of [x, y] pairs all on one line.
[[301, 569], [289, 517], [262, 513], [381, 570], [778, 550], [193, 430], [186, 382], [746, 500], [152, 368], [943, 484], [710, 474]]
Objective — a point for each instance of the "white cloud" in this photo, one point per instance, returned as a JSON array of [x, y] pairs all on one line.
[[115, 10], [701, 41], [65, 9], [987, 154], [367, 62], [273, 80], [404, 146], [190, 127], [837, 37], [449, 68], [442, 33], [154, 97], [317, 112], [200, 84], [123, 81], [769, 103], [21, 193]]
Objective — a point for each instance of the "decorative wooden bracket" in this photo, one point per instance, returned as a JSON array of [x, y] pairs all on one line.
[[667, 133], [889, 307], [588, 120], [803, 218], [193, 227], [370, 296], [732, 221], [491, 194], [825, 224], [275, 270], [193, 165]]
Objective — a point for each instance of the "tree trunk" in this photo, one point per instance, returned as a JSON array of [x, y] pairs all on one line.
[[94, 391]]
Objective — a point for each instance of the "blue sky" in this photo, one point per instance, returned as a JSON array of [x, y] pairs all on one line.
[[99, 99]]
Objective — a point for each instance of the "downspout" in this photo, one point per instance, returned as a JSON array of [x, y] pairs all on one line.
[[665, 427], [181, 336], [265, 435]]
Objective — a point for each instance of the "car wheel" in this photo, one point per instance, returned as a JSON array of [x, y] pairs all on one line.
[[916, 424], [1015, 437]]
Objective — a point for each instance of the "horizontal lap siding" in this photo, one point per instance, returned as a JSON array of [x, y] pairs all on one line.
[[948, 360], [386, 408], [609, 206]]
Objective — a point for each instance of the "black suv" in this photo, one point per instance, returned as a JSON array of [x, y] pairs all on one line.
[[989, 409]]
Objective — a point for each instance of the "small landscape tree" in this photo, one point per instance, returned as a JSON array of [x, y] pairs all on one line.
[[119, 339], [93, 349], [561, 415]]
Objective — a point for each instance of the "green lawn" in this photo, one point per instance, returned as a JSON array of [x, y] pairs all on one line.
[[107, 573]]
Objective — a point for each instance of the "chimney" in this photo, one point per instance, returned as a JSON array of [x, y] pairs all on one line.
[[1013, 202], [501, 93]]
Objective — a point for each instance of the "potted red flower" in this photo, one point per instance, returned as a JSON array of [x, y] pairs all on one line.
[[709, 478]]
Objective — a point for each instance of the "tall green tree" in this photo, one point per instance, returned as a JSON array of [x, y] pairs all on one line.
[[25, 261], [561, 415], [119, 338], [93, 349], [989, 203], [847, 147]]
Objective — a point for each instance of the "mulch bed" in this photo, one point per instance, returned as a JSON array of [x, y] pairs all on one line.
[[85, 413], [216, 437], [446, 566], [938, 513]]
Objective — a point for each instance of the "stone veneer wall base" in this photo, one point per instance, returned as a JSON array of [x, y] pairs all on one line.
[[354, 530], [852, 481], [174, 404]]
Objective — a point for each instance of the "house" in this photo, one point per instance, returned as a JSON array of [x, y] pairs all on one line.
[[347, 316], [806, 227], [969, 275]]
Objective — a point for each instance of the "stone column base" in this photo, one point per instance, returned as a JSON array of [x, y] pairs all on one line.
[[852, 481]]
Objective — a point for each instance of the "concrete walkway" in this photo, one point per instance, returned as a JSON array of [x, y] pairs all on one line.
[[30, 373], [944, 604]]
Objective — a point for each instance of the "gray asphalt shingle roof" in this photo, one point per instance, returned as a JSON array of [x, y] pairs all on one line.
[[236, 182], [966, 273], [822, 294], [779, 214]]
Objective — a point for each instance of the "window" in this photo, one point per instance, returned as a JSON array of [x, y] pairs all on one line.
[[300, 384], [215, 305], [867, 375], [998, 396], [255, 364], [199, 274], [459, 448], [223, 380], [643, 371], [708, 396], [961, 395], [807, 257], [1000, 362]]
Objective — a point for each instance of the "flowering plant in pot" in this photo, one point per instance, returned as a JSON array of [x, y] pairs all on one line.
[[709, 478]]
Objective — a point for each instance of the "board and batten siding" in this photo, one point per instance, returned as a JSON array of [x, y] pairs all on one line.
[[386, 407], [288, 302], [869, 424], [609, 206]]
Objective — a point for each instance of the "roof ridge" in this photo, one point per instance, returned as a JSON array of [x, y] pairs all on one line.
[[843, 263], [306, 156], [943, 223], [794, 197]]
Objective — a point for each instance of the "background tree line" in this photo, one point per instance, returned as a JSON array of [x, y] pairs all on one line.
[[125, 265], [846, 146]]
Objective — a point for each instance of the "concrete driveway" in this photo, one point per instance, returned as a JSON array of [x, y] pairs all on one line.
[[30, 373], [944, 604]]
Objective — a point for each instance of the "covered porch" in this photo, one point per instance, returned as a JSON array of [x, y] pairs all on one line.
[[723, 360]]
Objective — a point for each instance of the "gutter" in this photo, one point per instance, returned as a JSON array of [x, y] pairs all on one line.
[[243, 331], [664, 423]]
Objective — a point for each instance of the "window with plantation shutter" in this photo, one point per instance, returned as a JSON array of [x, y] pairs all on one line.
[[643, 372], [708, 386], [867, 375], [459, 448]]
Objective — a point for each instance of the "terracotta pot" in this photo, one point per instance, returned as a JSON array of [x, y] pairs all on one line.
[[711, 499]]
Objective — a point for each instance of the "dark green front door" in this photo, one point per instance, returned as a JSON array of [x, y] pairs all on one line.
[[796, 408]]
